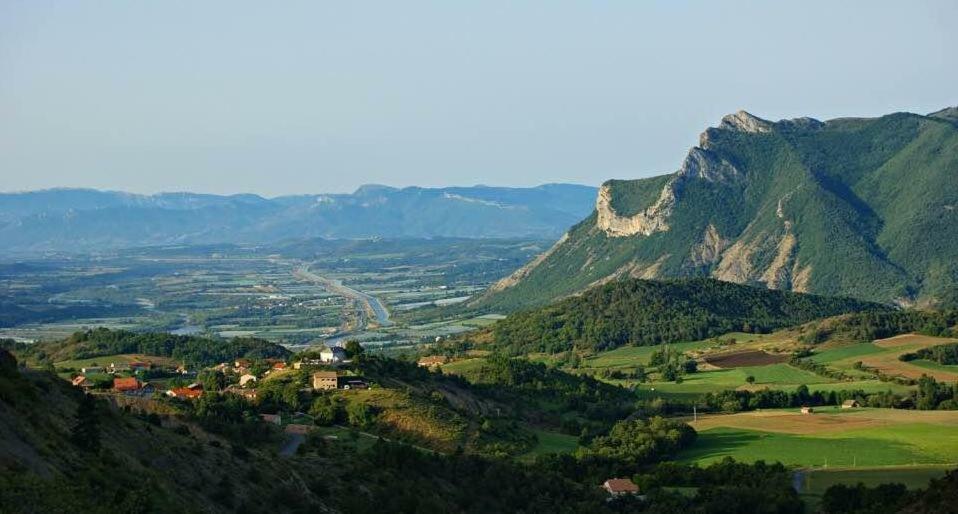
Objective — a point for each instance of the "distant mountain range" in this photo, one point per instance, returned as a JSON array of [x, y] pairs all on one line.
[[84, 220], [854, 207]]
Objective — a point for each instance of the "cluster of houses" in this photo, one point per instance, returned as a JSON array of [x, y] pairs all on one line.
[[127, 376]]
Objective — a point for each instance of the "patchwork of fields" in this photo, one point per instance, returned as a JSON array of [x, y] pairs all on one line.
[[234, 291]]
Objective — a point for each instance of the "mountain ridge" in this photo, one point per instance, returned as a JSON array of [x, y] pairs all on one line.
[[851, 207], [85, 219]]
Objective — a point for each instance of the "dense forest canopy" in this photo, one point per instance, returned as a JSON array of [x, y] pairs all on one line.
[[643, 312]]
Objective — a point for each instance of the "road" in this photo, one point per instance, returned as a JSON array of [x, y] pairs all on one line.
[[370, 303]]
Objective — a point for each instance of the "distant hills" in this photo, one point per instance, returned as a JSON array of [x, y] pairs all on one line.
[[847, 207], [83, 219]]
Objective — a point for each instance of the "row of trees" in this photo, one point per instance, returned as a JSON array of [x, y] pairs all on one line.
[[946, 354]]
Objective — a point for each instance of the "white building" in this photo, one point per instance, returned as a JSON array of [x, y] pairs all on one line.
[[334, 354]]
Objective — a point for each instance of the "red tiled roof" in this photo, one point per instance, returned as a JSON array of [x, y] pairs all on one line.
[[279, 365], [621, 485], [78, 380], [185, 392], [126, 384]]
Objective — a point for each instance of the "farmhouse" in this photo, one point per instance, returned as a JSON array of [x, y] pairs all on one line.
[[355, 383], [132, 387], [807, 410], [325, 380], [332, 354], [850, 404], [432, 361], [246, 378], [279, 366], [123, 385], [620, 486]]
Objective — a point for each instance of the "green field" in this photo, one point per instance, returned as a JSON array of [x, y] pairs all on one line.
[[551, 442], [773, 376], [829, 438], [464, 366], [627, 356], [846, 352], [817, 481], [814, 483], [934, 366]]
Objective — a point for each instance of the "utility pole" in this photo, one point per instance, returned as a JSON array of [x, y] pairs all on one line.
[[695, 414]]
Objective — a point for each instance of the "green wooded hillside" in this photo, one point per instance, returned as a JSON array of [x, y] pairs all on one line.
[[645, 312]]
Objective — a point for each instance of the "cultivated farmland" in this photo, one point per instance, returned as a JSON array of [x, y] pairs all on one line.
[[829, 437]]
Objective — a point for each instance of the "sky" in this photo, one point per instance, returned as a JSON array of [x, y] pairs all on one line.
[[307, 97]]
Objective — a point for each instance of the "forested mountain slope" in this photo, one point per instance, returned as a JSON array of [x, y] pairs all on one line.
[[852, 206]]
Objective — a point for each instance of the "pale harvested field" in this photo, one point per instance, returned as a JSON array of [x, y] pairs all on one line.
[[888, 363], [826, 420]]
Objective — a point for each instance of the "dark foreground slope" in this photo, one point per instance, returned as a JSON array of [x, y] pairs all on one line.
[[646, 312], [855, 207], [62, 452]]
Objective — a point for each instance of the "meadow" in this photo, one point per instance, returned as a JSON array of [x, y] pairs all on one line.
[[883, 356], [830, 437]]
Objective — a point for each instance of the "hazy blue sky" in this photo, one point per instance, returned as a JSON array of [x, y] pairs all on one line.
[[288, 97]]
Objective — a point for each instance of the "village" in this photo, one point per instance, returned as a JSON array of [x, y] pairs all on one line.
[[146, 384]]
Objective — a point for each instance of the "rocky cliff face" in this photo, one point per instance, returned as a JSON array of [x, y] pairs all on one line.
[[845, 207]]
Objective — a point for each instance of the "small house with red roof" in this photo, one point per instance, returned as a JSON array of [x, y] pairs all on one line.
[[620, 486], [127, 384], [184, 393]]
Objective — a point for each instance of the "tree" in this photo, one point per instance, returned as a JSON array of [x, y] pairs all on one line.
[[669, 373], [359, 415], [640, 373], [325, 410], [927, 393], [86, 428], [750, 379], [354, 349], [212, 380], [690, 366]]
